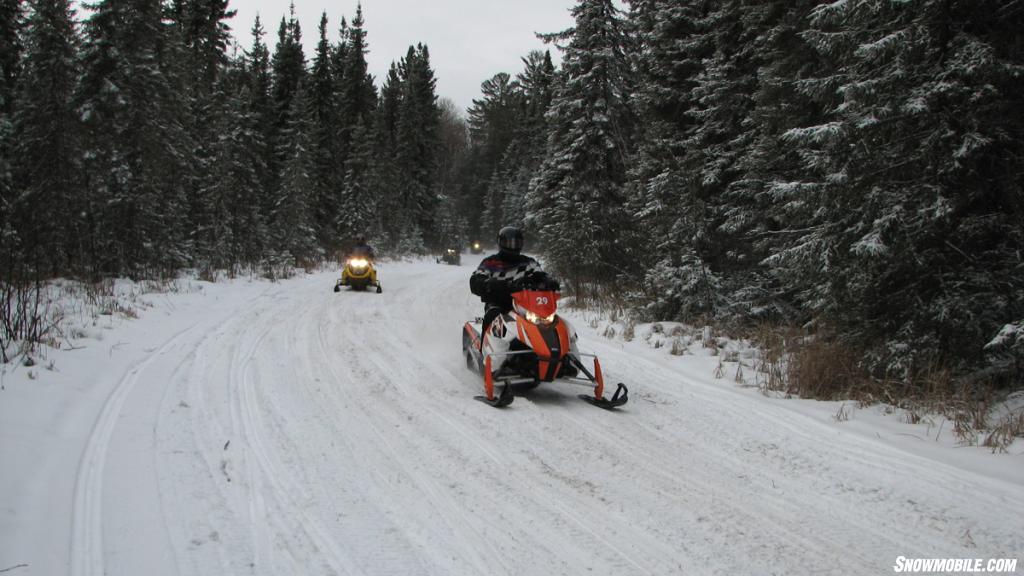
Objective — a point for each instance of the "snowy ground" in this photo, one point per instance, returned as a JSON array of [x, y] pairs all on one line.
[[255, 428]]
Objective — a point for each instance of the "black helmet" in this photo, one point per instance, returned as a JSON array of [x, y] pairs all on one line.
[[510, 239], [360, 239]]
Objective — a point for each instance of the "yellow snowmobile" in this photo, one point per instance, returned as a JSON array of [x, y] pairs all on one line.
[[358, 274]]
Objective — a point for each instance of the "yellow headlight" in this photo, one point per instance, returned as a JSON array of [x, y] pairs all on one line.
[[358, 263], [539, 319]]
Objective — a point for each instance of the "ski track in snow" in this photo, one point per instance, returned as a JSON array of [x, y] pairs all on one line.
[[307, 432]]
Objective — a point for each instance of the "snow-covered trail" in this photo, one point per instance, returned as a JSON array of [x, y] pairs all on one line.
[[298, 431]]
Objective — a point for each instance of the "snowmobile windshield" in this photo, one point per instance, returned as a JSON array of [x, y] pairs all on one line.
[[536, 305]]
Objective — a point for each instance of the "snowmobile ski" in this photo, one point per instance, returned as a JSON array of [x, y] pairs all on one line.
[[504, 398], [620, 397]]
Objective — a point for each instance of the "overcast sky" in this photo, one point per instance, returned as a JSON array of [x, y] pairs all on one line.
[[469, 40]]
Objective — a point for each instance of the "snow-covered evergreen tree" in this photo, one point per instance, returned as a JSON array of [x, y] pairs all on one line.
[[917, 239], [292, 222], [11, 48], [327, 177], [260, 105], [240, 237], [138, 166], [47, 147], [288, 70], [10, 58], [357, 100], [576, 202], [196, 57], [416, 142], [387, 183]]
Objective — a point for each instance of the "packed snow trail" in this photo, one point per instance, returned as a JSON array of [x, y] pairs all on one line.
[[299, 431]]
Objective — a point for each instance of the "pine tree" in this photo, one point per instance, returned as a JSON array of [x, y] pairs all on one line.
[[358, 100], [339, 57], [138, 166], [236, 186], [47, 147], [493, 119], [261, 107], [327, 178], [202, 29], [392, 219], [198, 56], [288, 70], [292, 224], [576, 201], [356, 91], [525, 153], [416, 132], [918, 170], [11, 21], [10, 58]]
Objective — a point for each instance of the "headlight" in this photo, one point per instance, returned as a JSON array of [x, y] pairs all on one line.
[[358, 263], [539, 319], [450, 251], [476, 245]]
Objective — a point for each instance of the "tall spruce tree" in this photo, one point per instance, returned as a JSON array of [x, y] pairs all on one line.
[[918, 170], [525, 153], [261, 106], [137, 170], [357, 100], [288, 70], [47, 149], [293, 222], [327, 178], [198, 56], [11, 22], [416, 145], [356, 93], [10, 58], [236, 187], [492, 123], [392, 221], [576, 201]]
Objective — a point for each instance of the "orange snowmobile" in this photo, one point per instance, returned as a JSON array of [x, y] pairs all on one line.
[[529, 345]]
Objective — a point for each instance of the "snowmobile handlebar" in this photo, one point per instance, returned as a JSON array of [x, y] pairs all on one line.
[[538, 282]]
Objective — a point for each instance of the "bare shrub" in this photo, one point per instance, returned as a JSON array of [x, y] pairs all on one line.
[[679, 347], [629, 333], [1005, 432], [27, 317], [843, 414], [825, 370]]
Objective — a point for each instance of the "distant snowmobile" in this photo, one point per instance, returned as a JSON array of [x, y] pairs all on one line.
[[476, 247], [451, 256], [529, 345], [359, 274]]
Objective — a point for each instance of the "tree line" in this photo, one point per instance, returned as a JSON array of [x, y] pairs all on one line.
[[848, 166], [142, 140]]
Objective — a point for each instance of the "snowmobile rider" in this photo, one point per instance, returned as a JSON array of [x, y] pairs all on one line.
[[495, 279], [361, 249]]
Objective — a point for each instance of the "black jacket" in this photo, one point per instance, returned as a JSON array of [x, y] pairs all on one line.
[[495, 279], [364, 250]]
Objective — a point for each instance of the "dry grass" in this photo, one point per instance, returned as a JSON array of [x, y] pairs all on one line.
[[1003, 434], [825, 370], [818, 367]]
